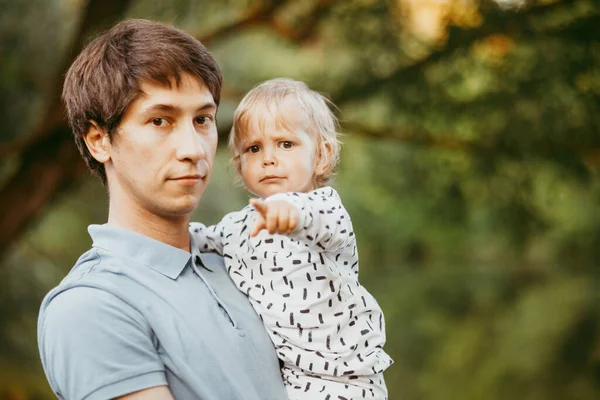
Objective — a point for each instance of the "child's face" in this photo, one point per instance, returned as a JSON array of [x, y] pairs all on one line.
[[275, 159]]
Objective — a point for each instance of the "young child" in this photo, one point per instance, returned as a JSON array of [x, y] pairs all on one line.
[[293, 250]]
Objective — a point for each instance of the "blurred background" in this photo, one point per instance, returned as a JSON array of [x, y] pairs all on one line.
[[470, 167]]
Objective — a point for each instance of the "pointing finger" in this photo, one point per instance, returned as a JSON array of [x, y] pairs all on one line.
[[260, 206]]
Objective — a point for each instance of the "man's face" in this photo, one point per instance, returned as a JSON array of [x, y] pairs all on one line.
[[162, 155]]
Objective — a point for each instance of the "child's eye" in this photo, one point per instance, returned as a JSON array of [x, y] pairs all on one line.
[[253, 149], [286, 144]]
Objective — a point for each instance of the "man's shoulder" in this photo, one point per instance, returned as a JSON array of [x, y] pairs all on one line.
[[77, 302], [92, 282], [79, 299], [93, 344]]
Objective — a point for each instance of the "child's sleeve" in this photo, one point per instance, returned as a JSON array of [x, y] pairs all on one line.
[[323, 221], [210, 238]]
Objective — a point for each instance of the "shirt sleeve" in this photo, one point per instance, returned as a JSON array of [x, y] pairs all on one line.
[[210, 238], [323, 220], [216, 237], [95, 346]]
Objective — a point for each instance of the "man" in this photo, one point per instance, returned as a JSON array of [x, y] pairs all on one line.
[[144, 315]]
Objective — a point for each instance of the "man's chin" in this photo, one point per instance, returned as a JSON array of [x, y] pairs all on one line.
[[186, 208], [181, 207]]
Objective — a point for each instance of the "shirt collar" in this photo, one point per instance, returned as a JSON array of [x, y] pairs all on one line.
[[161, 257]]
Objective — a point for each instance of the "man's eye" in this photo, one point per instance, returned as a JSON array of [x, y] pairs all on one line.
[[159, 121], [286, 144], [202, 120], [253, 149]]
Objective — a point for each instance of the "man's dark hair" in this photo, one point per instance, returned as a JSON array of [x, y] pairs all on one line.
[[105, 78]]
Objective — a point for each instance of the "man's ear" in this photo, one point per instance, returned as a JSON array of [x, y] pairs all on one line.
[[98, 143]]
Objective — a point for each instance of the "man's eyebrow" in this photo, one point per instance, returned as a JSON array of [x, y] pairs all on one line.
[[172, 108], [160, 107], [208, 105]]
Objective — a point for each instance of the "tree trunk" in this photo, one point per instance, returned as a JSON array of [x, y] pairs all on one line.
[[49, 160]]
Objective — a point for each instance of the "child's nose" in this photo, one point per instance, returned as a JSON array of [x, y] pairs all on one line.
[[269, 158], [268, 161]]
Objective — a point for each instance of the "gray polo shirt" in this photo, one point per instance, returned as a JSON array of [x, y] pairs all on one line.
[[135, 313]]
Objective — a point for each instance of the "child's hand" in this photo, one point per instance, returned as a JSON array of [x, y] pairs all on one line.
[[276, 216]]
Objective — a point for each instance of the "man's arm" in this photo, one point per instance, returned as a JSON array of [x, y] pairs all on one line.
[[95, 346], [155, 393]]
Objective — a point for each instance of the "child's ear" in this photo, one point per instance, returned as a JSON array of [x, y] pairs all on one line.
[[98, 143], [237, 162], [324, 160]]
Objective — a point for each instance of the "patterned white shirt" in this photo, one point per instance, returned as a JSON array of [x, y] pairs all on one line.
[[304, 285]]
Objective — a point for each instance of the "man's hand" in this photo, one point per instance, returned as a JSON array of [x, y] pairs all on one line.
[[276, 216]]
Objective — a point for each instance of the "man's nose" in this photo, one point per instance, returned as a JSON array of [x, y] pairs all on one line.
[[190, 145]]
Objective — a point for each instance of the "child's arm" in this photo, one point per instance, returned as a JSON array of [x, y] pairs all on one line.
[[211, 238], [316, 217]]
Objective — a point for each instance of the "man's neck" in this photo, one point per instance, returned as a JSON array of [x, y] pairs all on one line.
[[170, 230]]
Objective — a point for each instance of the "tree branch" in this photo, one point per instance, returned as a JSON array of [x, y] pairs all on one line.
[[50, 161], [588, 154], [98, 15], [265, 15], [449, 142], [509, 23], [51, 165], [309, 26], [258, 15]]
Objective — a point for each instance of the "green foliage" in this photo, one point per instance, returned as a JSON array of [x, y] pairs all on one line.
[[470, 172], [32, 36]]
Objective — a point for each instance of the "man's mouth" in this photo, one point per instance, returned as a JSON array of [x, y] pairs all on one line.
[[188, 179]]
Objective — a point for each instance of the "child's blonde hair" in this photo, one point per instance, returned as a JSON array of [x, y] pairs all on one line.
[[322, 123]]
